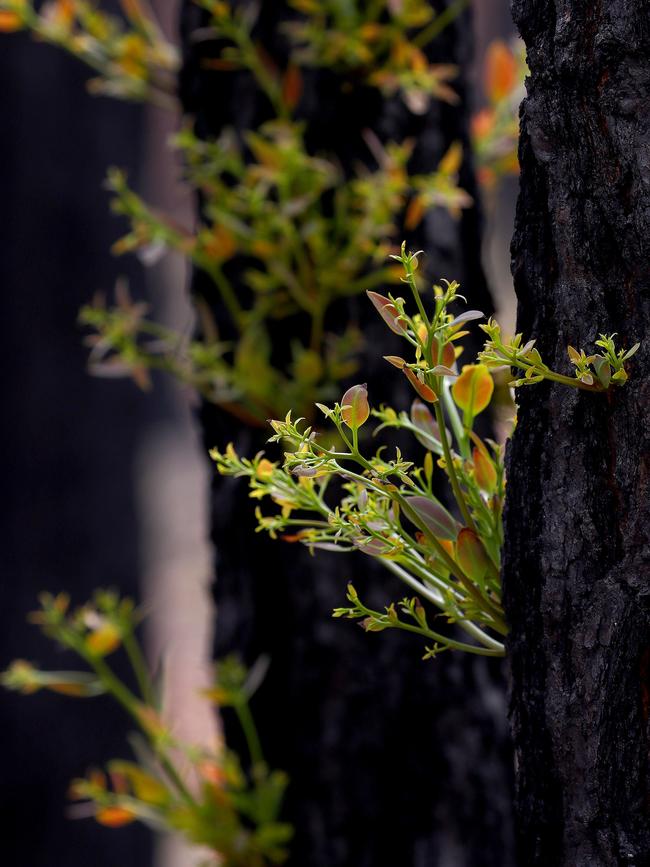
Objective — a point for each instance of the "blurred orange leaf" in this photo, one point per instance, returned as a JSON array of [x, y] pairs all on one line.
[[500, 70], [114, 817]]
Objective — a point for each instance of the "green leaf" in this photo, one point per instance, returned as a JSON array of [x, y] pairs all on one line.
[[434, 517]]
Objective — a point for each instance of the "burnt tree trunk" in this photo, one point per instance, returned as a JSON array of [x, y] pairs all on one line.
[[577, 554], [391, 760]]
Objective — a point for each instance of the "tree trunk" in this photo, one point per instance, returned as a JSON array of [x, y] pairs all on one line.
[[391, 760], [576, 568]]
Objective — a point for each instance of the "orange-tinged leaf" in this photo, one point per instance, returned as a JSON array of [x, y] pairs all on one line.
[[115, 817], [355, 408], [219, 244], [145, 786], [450, 163], [484, 471], [483, 123], [65, 12], [500, 70], [471, 556], [371, 31], [292, 86], [97, 778], [448, 354], [414, 213], [264, 469], [473, 389], [104, 640], [486, 177], [119, 782], [10, 22], [422, 419], [388, 312], [263, 248], [212, 772], [448, 545], [76, 690], [425, 392], [133, 10]]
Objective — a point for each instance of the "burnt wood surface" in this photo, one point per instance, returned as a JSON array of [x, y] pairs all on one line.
[[392, 760], [577, 553]]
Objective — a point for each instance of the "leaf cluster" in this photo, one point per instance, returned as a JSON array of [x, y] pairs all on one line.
[[208, 795], [131, 56], [330, 493]]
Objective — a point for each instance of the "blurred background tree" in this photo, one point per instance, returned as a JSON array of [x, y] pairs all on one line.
[[371, 739]]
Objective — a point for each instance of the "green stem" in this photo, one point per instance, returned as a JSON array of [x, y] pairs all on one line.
[[410, 275], [570, 381], [450, 642], [484, 603], [438, 601], [227, 293], [139, 666], [130, 703], [249, 729], [451, 470], [424, 37]]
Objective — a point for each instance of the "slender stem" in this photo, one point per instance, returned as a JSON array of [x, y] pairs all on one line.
[[410, 274], [450, 642], [130, 703], [451, 470], [139, 666], [424, 37], [484, 603], [227, 293], [432, 596], [264, 77], [570, 381], [482, 600], [249, 729]]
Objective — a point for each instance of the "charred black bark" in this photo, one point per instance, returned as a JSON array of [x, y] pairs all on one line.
[[577, 554], [392, 761]]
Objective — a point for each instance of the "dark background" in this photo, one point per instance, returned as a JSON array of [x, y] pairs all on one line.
[[68, 516]]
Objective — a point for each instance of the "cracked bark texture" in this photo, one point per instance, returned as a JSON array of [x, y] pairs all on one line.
[[391, 760], [577, 554]]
